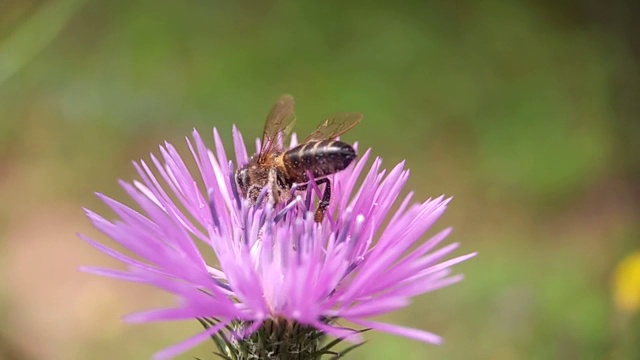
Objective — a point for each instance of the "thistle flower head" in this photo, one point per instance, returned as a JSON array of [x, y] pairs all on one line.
[[276, 267]]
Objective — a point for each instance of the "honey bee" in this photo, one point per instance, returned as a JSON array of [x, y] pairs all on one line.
[[318, 154]]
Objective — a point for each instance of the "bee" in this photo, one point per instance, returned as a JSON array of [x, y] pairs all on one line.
[[318, 154]]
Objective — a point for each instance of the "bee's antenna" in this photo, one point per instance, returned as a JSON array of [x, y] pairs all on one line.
[[234, 186]]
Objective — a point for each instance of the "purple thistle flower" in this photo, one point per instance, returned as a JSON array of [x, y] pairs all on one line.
[[277, 267]]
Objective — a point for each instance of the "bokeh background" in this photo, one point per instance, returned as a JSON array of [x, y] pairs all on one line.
[[526, 112]]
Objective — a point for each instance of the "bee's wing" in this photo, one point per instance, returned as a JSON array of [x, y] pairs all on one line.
[[279, 122], [335, 126]]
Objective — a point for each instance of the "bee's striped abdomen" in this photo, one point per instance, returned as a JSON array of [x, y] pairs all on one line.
[[321, 158]]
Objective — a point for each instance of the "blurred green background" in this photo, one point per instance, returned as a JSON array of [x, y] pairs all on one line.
[[526, 112]]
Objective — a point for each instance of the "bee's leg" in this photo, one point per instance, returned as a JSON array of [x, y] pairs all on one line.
[[273, 186], [324, 202]]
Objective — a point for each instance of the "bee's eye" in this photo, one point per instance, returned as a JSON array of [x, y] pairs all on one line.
[[242, 177]]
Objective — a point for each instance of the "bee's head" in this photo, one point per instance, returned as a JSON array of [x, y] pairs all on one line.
[[250, 182]]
